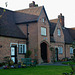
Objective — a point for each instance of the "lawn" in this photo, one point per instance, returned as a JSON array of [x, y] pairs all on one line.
[[69, 62], [38, 70]]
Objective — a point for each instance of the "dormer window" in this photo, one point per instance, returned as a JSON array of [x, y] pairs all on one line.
[[59, 32]]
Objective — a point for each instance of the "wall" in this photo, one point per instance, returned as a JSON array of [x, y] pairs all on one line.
[[68, 51], [35, 38], [41, 38], [6, 43]]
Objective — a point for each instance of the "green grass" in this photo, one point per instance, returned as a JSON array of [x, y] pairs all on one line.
[[38, 70], [69, 62]]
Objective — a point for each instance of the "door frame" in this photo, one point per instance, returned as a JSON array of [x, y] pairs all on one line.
[[44, 52], [15, 46], [56, 54]]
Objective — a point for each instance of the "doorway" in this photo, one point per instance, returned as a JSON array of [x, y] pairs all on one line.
[[56, 54], [44, 52], [14, 54]]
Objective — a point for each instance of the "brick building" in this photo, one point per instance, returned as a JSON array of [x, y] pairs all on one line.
[[61, 38], [15, 25]]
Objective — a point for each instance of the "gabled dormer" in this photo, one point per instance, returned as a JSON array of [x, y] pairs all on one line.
[[58, 32]]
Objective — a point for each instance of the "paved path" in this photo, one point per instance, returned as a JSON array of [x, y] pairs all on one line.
[[55, 63]]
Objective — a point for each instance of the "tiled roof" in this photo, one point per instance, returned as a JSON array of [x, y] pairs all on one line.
[[69, 33], [72, 32], [52, 28], [7, 25], [28, 15], [54, 20], [67, 37]]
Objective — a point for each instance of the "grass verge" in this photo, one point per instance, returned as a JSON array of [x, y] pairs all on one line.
[[38, 70], [69, 62]]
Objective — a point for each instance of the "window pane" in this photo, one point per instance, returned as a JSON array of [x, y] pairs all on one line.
[[12, 51], [24, 48], [20, 48], [43, 31], [59, 32], [71, 50], [43, 19], [60, 50]]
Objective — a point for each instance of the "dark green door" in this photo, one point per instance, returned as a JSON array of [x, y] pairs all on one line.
[[56, 54]]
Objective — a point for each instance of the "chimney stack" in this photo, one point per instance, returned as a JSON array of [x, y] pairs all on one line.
[[61, 19], [33, 4]]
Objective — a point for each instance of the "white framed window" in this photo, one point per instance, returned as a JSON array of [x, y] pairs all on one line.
[[71, 50], [60, 50], [43, 31], [59, 32], [22, 48]]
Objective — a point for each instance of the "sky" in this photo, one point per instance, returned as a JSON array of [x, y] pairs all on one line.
[[53, 8]]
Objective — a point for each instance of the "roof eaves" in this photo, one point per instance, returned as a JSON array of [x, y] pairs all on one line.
[[14, 37], [27, 22]]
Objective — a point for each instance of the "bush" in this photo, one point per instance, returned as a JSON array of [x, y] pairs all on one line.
[[1, 64], [8, 61], [28, 53]]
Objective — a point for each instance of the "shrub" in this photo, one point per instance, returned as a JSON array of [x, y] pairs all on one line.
[[1, 64], [8, 61], [28, 53]]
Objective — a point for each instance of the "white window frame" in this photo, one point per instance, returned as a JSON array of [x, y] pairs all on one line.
[[60, 50], [71, 50], [21, 49], [59, 32], [43, 31]]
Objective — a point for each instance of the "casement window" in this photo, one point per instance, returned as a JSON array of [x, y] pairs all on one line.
[[60, 50], [43, 31], [71, 50], [22, 48], [59, 32]]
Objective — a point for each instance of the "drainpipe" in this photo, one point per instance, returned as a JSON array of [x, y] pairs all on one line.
[[65, 49], [27, 41]]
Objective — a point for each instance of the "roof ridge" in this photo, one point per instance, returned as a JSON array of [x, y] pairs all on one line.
[[29, 8]]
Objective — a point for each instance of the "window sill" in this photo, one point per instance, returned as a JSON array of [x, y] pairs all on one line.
[[60, 53], [71, 53], [22, 53]]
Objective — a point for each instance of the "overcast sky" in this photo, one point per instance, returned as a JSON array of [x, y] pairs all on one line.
[[53, 8]]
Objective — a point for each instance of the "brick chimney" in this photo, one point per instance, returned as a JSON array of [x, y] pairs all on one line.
[[61, 19], [33, 4]]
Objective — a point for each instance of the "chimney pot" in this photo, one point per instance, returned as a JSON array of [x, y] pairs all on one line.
[[33, 4], [61, 19]]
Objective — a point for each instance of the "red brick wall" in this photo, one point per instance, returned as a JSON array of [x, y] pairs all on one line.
[[5, 50], [35, 38], [56, 37], [56, 45], [65, 47], [43, 38], [68, 51], [33, 35]]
